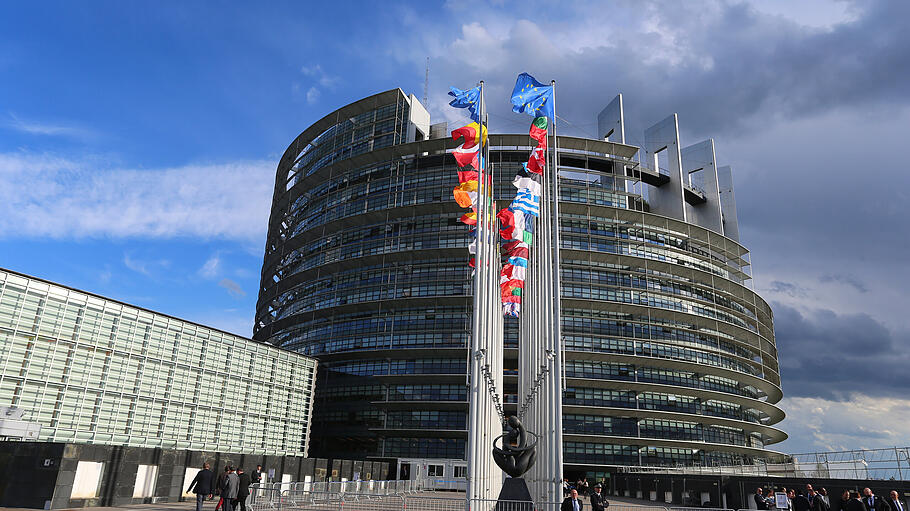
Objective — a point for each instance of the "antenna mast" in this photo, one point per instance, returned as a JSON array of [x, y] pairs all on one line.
[[426, 82]]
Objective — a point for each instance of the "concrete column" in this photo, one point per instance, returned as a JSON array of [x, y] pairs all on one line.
[[667, 200]]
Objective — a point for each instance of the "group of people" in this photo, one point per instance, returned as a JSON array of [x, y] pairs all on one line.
[[232, 486], [818, 500], [581, 486], [575, 503]]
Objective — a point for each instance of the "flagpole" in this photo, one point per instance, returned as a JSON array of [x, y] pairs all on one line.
[[483, 292], [558, 382], [476, 360]]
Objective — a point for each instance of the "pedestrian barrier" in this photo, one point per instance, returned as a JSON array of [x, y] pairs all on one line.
[[418, 495]]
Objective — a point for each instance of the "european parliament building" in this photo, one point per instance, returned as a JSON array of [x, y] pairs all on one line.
[[671, 358]]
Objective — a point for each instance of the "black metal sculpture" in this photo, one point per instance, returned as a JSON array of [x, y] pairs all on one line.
[[516, 456]]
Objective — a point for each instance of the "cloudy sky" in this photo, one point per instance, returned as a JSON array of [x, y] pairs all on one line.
[[138, 144]]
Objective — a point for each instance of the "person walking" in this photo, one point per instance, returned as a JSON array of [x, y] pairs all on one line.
[[598, 502], [218, 485], [759, 499], [243, 488], [895, 502], [572, 502], [203, 485], [229, 488]]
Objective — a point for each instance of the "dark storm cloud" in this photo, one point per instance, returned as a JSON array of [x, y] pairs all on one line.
[[788, 288], [848, 280], [719, 65], [813, 121], [832, 356]]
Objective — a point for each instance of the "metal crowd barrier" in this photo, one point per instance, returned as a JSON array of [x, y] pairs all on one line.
[[398, 496], [314, 495]]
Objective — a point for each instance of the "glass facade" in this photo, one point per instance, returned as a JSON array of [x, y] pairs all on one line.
[[670, 356], [97, 371]]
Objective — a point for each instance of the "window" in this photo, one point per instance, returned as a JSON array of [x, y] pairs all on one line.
[[436, 470]]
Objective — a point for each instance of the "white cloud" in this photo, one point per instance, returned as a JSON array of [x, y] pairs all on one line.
[[46, 129], [211, 267], [232, 287], [312, 95], [862, 422], [43, 195], [321, 80], [143, 266]]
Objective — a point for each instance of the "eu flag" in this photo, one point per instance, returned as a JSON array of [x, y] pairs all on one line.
[[532, 97], [469, 99]]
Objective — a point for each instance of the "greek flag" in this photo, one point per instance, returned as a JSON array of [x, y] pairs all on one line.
[[518, 261], [526, 202]]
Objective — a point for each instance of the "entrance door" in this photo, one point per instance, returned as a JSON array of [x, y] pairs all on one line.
[[404, 471]]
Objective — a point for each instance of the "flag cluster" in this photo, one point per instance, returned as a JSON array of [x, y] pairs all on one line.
[[517, 222], [469, 157]]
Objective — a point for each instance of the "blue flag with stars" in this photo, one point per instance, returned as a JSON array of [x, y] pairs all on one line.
[[469, 99], [532, 97]]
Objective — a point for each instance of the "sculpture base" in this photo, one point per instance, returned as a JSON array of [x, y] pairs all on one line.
[[514, 496]]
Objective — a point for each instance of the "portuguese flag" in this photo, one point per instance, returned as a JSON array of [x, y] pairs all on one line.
[[539, 130]]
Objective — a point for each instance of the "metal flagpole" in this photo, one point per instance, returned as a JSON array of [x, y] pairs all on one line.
[[558, 367], [483, 293], [476, 390]]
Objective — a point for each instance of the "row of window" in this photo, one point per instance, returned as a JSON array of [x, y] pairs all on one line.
[[370, 330], [607, 454], [409, 366], [584, 396], [442, 176], [352, 136]]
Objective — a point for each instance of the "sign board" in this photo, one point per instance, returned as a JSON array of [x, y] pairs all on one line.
[[781, 501], [272, 473]]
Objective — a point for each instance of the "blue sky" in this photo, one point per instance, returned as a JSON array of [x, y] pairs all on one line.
[[138, 144]]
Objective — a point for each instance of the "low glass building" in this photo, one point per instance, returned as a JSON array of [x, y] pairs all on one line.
[[671, 357], [85, 369]]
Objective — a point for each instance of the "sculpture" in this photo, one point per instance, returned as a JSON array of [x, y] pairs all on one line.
[[515, 457]]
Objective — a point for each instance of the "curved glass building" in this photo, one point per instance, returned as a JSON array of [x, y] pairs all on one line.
[[670, 355]]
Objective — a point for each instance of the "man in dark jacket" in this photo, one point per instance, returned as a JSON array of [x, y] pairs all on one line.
[[759, 498], [895, 502], [243, 489], [800, 502], [816, 502], [572, 502], [229, 487], [219, 484], [202, 485], [874, 502], [598, 502], [855, 504]]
